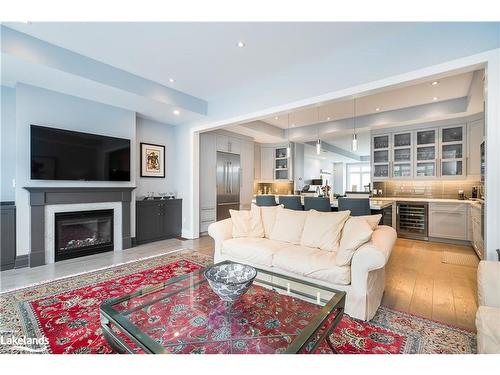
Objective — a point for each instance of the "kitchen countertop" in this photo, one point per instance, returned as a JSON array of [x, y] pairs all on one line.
[[431, 200], [375, 204]]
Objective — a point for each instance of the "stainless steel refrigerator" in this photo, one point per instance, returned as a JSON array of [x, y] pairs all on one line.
[[228, 184]]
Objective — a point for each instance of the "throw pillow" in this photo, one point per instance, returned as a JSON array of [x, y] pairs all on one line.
[[356, 232], [288, 226], [268, 215], [322, 229], [247, 223], [372, 220]]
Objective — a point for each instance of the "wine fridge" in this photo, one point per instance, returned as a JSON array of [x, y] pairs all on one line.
[[412, 220]]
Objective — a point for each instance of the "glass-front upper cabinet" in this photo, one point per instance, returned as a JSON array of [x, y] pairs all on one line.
[[402, 155], [281, 164], [426, 153], [381, 156], [452, 149]]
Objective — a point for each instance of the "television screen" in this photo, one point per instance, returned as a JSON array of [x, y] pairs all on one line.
[[58, 154]]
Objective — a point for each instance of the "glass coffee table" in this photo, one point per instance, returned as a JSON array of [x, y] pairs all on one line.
[[278, 314]]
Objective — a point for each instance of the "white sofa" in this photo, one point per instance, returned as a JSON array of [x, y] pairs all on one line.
[[363, 280], [488, 313]]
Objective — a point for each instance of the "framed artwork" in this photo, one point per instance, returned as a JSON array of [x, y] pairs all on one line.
[[152, 160]]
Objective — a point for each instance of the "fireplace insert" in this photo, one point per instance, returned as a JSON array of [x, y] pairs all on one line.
[[83, 233]]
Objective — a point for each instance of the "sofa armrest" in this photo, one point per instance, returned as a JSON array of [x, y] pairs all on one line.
[[372, 256], [488, 283], [220, 231]]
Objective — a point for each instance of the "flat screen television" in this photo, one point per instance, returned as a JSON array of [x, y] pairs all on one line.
[[58, 154]]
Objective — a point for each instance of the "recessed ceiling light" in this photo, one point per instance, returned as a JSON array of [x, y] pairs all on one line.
[[434, 83], [171, 80], [377, 109], [435, 98], [276, 117], [176, 112], [241, 44], [328, 119]]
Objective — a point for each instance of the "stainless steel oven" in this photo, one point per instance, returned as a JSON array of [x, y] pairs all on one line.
[[412, 220]]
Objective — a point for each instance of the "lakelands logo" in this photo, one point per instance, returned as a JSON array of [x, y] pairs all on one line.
[[23, 343]]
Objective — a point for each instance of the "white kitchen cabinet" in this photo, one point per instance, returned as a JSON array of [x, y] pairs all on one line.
[[426, 151], [227, 143], [247, 174], [208, 194], [475, 136], [256, 161], [448, 220], [452, 151], [402, 152], [381, 156], [267, 164], [477, 238]]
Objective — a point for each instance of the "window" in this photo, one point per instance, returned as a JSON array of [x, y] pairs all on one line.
[[358, 175]]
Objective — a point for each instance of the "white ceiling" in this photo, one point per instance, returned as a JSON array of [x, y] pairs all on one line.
[[203, 58], [424, 93]]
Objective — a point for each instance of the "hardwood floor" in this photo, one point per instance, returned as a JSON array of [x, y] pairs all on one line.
[[418, 282], [416, 279]]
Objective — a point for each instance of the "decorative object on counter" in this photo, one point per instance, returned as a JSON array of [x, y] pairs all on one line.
[[152, 160], [461, 195], [150, 195], [326, 190], [162, 195], [230, 280]]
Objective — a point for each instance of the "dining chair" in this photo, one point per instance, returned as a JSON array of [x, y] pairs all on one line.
[[265, 200], [317, 203], [357, 206], [292, 202]]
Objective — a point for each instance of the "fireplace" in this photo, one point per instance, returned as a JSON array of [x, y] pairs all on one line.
[[83, 233]]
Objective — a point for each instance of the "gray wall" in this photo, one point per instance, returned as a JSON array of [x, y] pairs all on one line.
[[43, 107], [7, 143], [149, 131]]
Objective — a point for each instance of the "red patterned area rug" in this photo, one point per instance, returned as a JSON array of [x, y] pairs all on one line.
[[65, 312]]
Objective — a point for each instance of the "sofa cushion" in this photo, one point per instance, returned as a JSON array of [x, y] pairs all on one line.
[[322, 229], [288, 226], [488, 330], [252, 250], [372, 220], [268, 215], [247, 223], [356, 232], [311, 262]]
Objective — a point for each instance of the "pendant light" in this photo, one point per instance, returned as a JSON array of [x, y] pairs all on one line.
[[318, 142], [289, 146], [354, 136]]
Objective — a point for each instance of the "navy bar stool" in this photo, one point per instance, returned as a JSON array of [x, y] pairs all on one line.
[[265, 200], [357, 206], [317, 203], [292, 202]]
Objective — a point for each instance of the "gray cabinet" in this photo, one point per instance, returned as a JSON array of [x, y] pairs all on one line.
[[475, 136], [381, 157], [158, 219], [266, 164], [448, 220], [452, 151], [426, 150], [227, 143], [8, 236]]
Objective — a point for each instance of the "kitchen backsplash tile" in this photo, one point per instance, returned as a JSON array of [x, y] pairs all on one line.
[[273, 188], [425, 189]]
